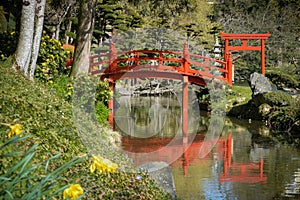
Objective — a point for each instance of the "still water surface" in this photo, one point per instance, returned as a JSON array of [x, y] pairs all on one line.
[[242, 164]]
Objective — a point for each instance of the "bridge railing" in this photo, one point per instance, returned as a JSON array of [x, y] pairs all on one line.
[[185, 63]]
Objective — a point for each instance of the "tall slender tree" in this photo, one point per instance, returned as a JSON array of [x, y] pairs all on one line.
[[37, 35], [84, 37], [23, 52], [30, 36]]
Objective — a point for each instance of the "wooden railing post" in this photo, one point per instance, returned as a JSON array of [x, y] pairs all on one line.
[[160, 59], [111, 83], [112, 57], [186, 58]]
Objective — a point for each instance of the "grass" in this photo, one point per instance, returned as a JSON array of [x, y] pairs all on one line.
[[238, 94], [49, 120]]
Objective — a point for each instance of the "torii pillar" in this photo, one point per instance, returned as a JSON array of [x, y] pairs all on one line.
[[245, 46]]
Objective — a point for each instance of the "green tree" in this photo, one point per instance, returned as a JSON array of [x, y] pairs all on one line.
[[280, 18]]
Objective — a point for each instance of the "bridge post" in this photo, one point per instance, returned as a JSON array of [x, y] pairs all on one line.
[[186, 58], [112, 57], [229, 66], [185, 102], [111, 83]]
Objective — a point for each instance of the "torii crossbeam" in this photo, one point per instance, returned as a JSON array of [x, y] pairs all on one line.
[[245, 46]]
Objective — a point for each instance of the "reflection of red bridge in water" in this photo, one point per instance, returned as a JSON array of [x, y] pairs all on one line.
[[168, 150]]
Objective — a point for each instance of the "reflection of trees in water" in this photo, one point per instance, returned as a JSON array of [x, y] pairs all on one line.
[[148, 116]]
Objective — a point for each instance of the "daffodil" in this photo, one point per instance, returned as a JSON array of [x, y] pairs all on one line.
[[102, 165], [73, 191], [15, 130]]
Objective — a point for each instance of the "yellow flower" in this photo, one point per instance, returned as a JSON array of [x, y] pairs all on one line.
[[51, 82], [102, 165], [15, 130], [73, 191]]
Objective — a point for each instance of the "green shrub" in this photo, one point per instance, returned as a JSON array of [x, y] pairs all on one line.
[[102, 113], [103, 92], [282, 80], [51, 60], [279, 99], [282, 119]]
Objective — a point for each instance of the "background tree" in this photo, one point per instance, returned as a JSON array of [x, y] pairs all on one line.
[[23, 52], [84, 37], [30, 36], [280, 18], [56, 15]]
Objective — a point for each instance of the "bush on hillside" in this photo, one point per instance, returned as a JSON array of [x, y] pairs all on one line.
[[278, 99], [50, 121], [51, 60], [282, 80]]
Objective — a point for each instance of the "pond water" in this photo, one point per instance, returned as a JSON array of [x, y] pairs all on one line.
[[239, 162]]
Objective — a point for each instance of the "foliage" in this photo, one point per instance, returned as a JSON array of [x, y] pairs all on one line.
[[62, 86], [191, 18], [280, 18], [21, 178], [283, 118], [103, 92], [282, 80], [51, 60], [102, 112], [8, 45], [112, 16], [50, 121], [279, 99]]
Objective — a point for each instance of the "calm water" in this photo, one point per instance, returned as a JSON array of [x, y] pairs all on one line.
[[238, 162]]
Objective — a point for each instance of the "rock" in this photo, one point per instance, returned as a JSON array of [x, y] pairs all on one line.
[[161, 172], [259, 85]]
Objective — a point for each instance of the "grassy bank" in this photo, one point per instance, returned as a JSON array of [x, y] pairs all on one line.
[[52, 154]]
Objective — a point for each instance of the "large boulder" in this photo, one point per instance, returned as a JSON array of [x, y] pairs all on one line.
[[259, 85]]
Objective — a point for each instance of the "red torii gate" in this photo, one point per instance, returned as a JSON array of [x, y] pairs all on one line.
[[244, 46]]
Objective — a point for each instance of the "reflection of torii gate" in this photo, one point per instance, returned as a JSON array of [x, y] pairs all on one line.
[[245, 47], [159, 150]]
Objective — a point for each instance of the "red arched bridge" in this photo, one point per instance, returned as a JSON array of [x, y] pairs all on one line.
[[185, 66], [160, 64]]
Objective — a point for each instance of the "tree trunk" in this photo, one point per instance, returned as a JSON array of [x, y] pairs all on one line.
[[40, 8], [57, 31], [69, 28], [84, 35], [23, 52]]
